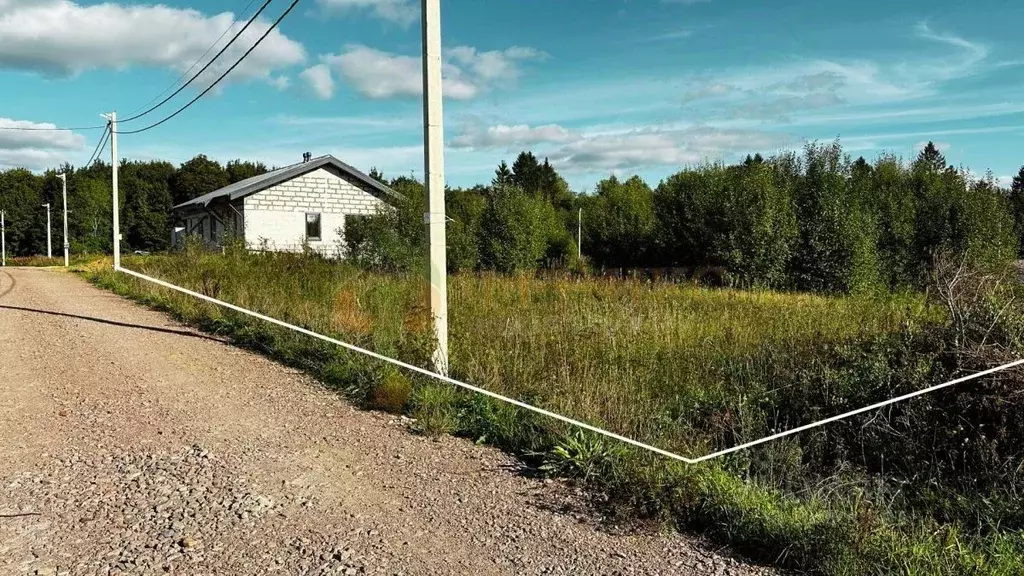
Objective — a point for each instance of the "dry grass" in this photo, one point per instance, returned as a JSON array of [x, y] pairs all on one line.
[[685, 368]]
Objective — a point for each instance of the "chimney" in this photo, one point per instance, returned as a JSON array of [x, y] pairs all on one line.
[[306, 157]]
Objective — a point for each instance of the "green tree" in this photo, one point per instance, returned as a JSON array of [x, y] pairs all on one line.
[[761, 227], [515, 229], [239, 170], [619, 223], [526, 173], [377, 175], [836, 251], [394, 239], [145, 216], [1017, 208], [502, 175], [465, 211], [196, 177], [893, 202]]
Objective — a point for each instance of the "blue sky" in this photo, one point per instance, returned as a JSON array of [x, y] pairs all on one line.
[[599, 87]]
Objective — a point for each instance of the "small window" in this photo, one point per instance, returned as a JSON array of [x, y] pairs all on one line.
[[312, 226]]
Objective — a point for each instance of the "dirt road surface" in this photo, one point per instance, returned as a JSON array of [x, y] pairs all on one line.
[[132, 445]]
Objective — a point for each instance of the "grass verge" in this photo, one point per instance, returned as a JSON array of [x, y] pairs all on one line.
[[687, 369]]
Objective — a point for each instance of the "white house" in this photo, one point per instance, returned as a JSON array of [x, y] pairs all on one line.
[[281, 209]]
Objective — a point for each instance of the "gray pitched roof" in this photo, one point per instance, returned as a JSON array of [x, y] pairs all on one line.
[[263, 181]]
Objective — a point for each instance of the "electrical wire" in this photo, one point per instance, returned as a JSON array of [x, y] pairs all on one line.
[[99, 147], [205, 68], [54, 129], [222, 76], [196, 63], [178, 91]]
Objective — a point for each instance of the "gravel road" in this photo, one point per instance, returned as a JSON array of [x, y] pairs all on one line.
[[132, 445]]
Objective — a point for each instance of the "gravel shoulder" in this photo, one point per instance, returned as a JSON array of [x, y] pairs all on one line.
[[133, 445]]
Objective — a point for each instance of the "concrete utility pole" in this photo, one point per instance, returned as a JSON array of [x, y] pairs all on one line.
[[433, 148], [3, 238], [579, 235], [49, 248], [64, 189], [116, 201]]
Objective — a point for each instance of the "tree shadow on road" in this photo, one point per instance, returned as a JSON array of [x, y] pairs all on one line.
[[116, 323]]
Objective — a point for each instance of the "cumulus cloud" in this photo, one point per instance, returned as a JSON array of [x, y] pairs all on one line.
[[35, 148], [63, 38], [319, 80], [378, 74], [635, 148], [401, 12], [654, 147], [503, 136], [1005, 181]]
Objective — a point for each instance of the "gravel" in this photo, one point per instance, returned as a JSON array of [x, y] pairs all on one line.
[[132, 445]]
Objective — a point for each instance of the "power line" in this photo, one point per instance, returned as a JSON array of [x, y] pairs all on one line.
[[196, 63], [207, 66], [54, 129], [222, 76], [99, 147]]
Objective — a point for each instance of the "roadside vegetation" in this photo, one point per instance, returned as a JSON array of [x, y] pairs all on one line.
[[841, 283], [925, 487], [58, 261]]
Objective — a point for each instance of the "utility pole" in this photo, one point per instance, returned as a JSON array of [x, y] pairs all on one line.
[[3, 239], [433, 149], [116, 201], [49, 248], [64, 191], [579, 235]]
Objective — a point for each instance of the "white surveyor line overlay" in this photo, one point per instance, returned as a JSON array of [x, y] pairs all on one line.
[[559, 417]]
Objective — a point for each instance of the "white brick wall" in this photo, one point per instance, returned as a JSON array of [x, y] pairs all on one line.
[[278, 214]]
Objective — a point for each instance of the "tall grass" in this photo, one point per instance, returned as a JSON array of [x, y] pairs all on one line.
[[687, 369]]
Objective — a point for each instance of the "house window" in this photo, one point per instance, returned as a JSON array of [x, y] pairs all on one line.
[[312, 226]]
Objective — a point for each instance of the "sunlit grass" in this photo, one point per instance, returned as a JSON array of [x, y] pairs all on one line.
[[685, 368]]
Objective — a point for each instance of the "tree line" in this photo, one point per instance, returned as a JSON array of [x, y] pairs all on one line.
[[148, 191], [816, 220]]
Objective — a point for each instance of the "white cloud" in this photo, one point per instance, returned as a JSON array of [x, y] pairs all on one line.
[[63, 38], [504, 136], [378, 74], [401, 12], [625, 149], [36, 148], [941, 146], [673, 35], [778, 93], [319, 80]]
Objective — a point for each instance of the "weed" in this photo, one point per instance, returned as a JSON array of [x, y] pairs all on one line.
[[687, 369]]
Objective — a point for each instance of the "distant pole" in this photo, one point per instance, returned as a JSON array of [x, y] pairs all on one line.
[[3, 239], [49, 248], [64, 182], [116, 204], [433, 140], [579, 235]]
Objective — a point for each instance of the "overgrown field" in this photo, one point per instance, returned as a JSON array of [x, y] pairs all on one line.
[[925, 487]]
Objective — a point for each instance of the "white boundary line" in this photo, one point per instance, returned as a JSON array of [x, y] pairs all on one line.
[[559, 417]]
